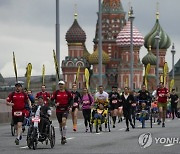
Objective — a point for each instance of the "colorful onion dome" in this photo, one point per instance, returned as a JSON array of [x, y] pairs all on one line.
[[165, 41], [149, 58], [93, 58], [75, 34], [124, 37]]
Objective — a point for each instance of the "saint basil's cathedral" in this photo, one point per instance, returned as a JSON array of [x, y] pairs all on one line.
[[115, 51]]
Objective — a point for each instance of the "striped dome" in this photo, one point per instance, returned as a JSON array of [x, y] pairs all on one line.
[[149, 58], [124, 37], [165, 41]]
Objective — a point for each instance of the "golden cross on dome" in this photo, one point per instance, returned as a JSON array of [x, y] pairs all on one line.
[[157, 10], [75, 11]]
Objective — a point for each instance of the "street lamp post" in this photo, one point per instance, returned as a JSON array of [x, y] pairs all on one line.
[[157, 38], [100, 43], [173, 51], [131, 18], [57, 37]]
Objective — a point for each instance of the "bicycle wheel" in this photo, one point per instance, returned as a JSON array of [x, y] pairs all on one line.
[[151, 118], [52, 136], [96, 125], [34, 143], [108, 122]]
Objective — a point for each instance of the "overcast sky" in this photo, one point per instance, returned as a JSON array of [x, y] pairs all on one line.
[[27, 27]]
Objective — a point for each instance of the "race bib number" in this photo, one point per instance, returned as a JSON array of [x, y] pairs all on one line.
[[75, 104], [85, 102], [114, 101], [18, 113], [36, 119]]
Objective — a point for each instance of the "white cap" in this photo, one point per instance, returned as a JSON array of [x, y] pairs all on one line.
[[61, 82]]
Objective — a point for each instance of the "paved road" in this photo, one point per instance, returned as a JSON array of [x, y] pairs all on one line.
[[117, 141]]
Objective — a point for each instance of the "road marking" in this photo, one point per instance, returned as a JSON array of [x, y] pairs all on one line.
[[56, 127], [25, 147], [168, 145], [70, 138], [98, 133], [122, 129]]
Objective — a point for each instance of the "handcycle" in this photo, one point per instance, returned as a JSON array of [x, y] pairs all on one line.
[[34, 136], [100, 115]]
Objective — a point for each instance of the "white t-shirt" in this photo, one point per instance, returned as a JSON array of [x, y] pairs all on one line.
[[103, 96]]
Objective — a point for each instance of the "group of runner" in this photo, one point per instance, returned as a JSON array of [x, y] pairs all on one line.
[[71, 101]]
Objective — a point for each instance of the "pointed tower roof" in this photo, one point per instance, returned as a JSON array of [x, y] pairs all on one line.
[[124, 37], [165, 41], [112, 6], [176, 69], [75, 34]]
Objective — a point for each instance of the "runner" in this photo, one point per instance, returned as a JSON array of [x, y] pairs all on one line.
[[114, 98], [87, 102], [63, 101], [46, 95], [162, 94], [127, 100], [75, 106], [120, 108], [18, 100], [174, 101]]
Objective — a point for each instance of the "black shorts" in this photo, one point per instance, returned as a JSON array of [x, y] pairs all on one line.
[[61, 115], [73, 108], [114, 106], [18, 119]]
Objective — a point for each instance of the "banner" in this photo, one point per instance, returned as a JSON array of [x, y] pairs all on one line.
[[165, 72], [171, 85], [147, 70], [43, 74], [87, 78], [77, 74], [15, 68], [56, 65], [29, 70]]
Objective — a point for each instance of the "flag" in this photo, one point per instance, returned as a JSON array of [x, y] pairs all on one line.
[[87, 78], [148, 67], [56, 65], [165, 71], [77, 74], [171, 84], [43, 74], [15, 68], [28, 79], [161, 78]]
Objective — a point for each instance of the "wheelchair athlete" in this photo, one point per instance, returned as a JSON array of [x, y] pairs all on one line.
[[44, 112], [143, 112]]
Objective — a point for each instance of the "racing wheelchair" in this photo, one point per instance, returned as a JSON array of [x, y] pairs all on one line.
[[100, 115], [34, 136], [144, 112]]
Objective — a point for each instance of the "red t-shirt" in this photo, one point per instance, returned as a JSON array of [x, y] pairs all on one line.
[[63, 99], [45, 96], [161, 95], [19, 100]]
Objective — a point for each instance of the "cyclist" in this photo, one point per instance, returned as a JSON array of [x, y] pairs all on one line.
[[114, 98], [45, 94], [127, 99], [162, 95], [75, 106], [63, 99], [18, 100]]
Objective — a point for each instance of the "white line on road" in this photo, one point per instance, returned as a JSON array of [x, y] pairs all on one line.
[[70, 138], [98, 133], [168, 145], [25, 147], [122, 129]]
